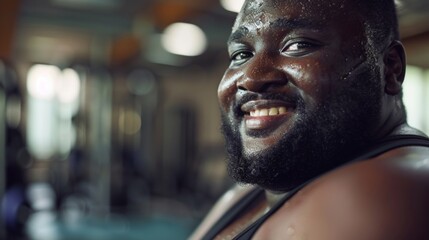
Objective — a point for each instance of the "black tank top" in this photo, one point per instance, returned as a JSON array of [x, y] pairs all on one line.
[[241, 206]]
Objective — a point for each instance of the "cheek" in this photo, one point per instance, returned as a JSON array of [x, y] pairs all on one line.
[[319, 78], [227, 89], [311, 80]]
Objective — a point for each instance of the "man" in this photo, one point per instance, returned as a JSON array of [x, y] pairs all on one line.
[[313, 118]]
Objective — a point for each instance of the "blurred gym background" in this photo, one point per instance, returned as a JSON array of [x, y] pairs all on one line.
[[109, 125]]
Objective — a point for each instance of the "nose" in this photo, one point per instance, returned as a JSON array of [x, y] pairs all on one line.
[[261, 74]]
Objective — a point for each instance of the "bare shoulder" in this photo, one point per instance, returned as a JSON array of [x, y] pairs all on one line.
[[382, 198], [228, 199]]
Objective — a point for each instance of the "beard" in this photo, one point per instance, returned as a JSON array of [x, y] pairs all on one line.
[[323, 138]]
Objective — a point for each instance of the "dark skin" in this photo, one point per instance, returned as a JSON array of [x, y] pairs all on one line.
[[313, 66], [303, 60], [382, 198]]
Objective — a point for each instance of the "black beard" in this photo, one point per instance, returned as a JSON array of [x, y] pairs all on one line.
[[323, 138]]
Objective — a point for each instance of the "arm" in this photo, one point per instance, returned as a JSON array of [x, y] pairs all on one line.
[[382, 198]]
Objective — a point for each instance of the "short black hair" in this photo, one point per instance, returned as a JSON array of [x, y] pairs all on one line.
[[381, 21]]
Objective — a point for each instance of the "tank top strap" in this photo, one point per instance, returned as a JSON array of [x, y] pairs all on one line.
[[393, 142], [250, 231], [236, 210]]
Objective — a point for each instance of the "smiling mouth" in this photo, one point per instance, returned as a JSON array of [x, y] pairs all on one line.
[[266, 107], [265, 115], [273, 111], [262, 114]]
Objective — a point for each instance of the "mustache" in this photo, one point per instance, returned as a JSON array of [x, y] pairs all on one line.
[[251, 96]]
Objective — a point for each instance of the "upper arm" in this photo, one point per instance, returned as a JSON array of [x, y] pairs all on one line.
[[376, 199]]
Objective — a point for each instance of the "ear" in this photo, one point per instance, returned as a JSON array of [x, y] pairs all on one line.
[[394, 61]]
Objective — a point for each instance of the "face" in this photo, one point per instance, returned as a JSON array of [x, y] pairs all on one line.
[[301, 94]]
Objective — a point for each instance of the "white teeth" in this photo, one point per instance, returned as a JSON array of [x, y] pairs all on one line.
[[263, 112], [268, 112], [273, 111], [254, 113]]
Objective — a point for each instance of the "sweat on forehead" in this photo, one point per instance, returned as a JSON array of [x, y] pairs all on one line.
[[257, 11], [309, 5]]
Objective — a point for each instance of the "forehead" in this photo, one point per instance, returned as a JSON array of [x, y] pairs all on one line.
[[259, 12]]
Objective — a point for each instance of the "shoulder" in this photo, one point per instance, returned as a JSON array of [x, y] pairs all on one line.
[[228, 199], [381, 198]]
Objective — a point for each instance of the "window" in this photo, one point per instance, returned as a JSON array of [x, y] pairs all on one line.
[[416, 100], [53, 96]]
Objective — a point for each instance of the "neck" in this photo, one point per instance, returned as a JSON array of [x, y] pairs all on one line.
[[393, 118], [406, 129]]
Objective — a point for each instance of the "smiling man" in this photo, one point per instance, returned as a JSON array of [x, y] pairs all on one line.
[[313, 119]]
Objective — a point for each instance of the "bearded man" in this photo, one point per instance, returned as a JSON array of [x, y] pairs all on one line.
[[314, 121]]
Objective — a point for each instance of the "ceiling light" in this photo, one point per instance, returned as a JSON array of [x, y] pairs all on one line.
[[41, 81], [184, 39], [68, 88], [232, 5]]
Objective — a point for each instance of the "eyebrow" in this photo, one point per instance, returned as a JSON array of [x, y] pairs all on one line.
[[286, 23], [240, 33]]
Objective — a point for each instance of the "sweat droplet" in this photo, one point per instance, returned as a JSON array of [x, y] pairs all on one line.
[[290, 231]]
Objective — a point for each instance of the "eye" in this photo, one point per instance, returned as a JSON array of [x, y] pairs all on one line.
[[240, 57], [300, 48]]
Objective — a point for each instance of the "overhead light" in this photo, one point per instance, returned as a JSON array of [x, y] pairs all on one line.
[[184, 39], [41, 81], [68, 88], [232, 5]]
